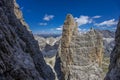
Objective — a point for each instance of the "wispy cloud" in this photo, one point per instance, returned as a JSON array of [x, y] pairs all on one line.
[[59, 28], [83, 20], [96, 17], [48, 17], [110, 22], [43, 24]]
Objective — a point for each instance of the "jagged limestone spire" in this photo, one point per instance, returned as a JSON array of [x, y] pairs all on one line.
[[77, 53], [68, 31], [69, 18], [70, 24], [70, 28]]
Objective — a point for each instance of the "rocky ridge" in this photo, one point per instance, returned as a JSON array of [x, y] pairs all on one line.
[[20, 57], [79, 56]]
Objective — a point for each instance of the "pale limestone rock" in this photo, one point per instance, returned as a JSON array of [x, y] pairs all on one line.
[[79, 56]]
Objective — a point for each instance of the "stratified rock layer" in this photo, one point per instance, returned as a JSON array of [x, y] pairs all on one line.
[[114, 68], [80, 56], [20, 57]]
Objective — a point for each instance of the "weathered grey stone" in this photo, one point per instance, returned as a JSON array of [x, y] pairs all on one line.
[[79, 56], [20, 57]]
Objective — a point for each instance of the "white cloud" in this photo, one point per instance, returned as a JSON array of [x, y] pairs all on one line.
[[107, 23], [60, 28], [96, 17], [48, 17], [43, 24], [83, 20]]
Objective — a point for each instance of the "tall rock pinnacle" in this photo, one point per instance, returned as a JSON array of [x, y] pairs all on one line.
[[68, 29], [79, 55], [67, 33]]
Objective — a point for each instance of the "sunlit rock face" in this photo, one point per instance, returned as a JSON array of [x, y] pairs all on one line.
[[20, 57], [79, 56], [114, 67]]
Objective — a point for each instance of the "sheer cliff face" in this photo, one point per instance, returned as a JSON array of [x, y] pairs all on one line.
[[80, 56], [20, 58], [114, 67]]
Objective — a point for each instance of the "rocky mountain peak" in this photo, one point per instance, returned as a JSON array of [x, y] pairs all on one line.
[[67, 30], [79, 55], [69, 20]]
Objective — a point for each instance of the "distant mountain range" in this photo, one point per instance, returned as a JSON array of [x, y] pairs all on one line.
[[105, 33], [51, 39], [48, 35]]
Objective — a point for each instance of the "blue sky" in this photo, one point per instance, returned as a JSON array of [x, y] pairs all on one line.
[[47, 16]]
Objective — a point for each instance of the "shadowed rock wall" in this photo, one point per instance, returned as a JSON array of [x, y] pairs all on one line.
[[114, 67], [20, 57]]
